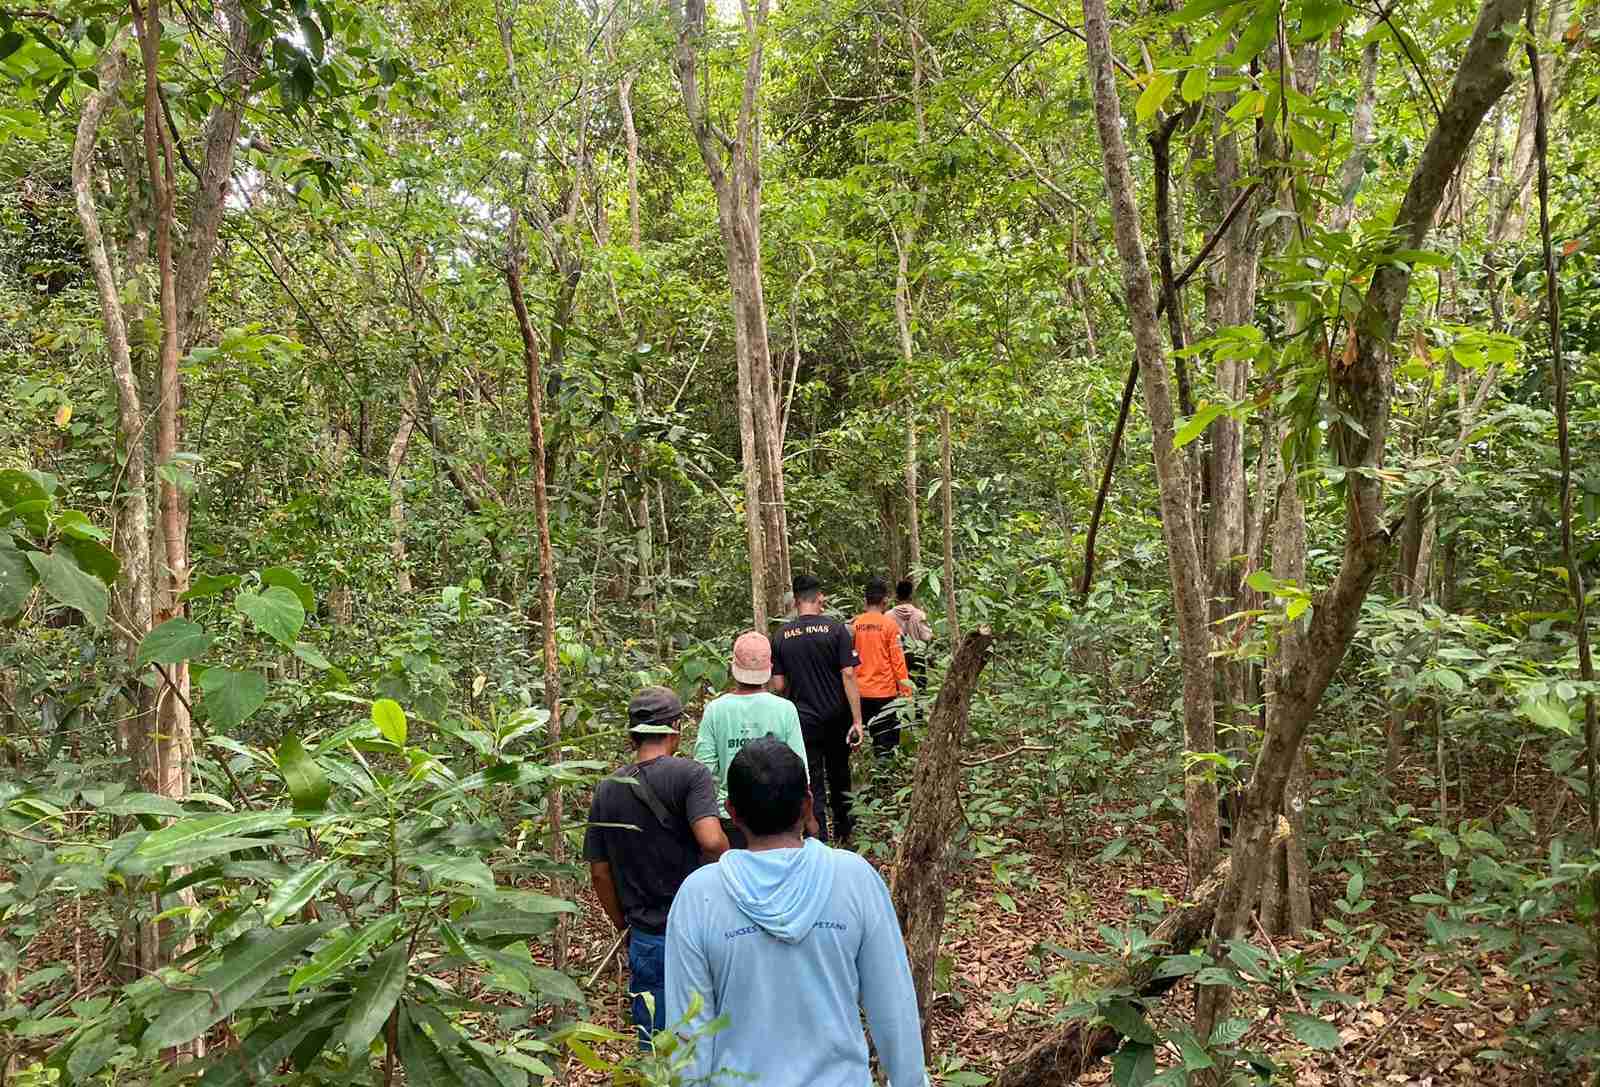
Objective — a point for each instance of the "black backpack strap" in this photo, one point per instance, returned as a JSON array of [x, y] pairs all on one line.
[[645, 793]]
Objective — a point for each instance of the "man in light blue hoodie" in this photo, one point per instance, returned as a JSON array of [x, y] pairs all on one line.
[[790, 940]]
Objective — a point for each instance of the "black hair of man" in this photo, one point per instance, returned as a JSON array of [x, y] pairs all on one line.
[[806, 588], [767, 787], [877, 592], [903, 589]]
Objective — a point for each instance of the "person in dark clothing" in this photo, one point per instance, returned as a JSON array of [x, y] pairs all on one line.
[[814, 663], [651, 824]]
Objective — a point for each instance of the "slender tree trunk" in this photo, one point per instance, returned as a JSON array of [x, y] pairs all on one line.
[[397, 495], [173, 745], [1177, 519], [913, 494], [1360, 389], [132, 606], [631, 139], [1558, 363], [953, 615], [925, 857], [736, 180], [534, 382]]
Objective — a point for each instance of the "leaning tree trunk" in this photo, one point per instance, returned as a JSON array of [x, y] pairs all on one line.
[[1360, 389], [534, 380], [952, 616], [1177, 521], [922, 864]]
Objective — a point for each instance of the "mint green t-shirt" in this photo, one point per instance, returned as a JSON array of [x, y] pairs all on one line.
[[733, 720]]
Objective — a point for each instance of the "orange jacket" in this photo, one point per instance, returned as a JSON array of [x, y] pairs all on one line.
[[883, 664]]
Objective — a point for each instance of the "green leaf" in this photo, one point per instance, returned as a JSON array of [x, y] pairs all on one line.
[[277, 612], [246, 966], [312, 656], [16, 580], [288, 579], [1133, 1064], [1128, 1021], [308, 785], [1195, 82], [1229, 1031], [1261, 581], [375, 998], [1317, 17], [1196, 424], [186, 855], [391, 720], [339, 953], [64, 580], [1548, 713], [300, 888], [17, 487], [421, 1058], [232, 696], [144, 804], [1314, 1032], [211, 585], [1194, 1054], [201, 828], [173, 641], [95, 558], [1154, 96]]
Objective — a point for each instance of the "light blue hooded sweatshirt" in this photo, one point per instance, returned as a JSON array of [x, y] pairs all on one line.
[[791, 945]]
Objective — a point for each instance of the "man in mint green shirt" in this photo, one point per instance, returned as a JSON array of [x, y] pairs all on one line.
[[747, 713]]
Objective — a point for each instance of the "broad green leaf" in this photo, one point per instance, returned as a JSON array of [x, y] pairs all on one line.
[[232, 696], [245, 967], [342, 951], [1317, 17], [533, 902], [64, 580], [1229, 1031], [300, 888], [1196, 424], [186, 855], [16, 579], [1549, 713], [174, 641], [1261, 581], [277, 612], [144, 804], [375, 998], [95, 558], [204, 827], [211, 585], [421, 1058], [1314, 1032], [1194, 1054], [308, 785], [1133, 1064], [1154, 96], [288, 579], [312, 656], [1195, 82], [90, 1054], [271, 1043], [492, 924], [554, 984], [1128, 1021], [391, 720]]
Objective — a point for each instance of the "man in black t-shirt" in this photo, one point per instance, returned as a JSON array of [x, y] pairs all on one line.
[[651, 824], [814, 663]]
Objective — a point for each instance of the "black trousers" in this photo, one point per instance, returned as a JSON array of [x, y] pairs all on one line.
[[883, 725], [828, 762], [917, 669]]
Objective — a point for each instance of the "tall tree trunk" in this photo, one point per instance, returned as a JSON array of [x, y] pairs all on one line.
[[905, 240], [397, 495], [173, 746], [1177, 518], [1512, 210], [132, 601], [952, 614], [1558, 363], [631, 140], [736, 180], [913, 494], [924, 860], [1360, 390], [534, 381]]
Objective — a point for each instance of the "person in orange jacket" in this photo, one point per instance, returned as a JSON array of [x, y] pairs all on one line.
[[882, 674]]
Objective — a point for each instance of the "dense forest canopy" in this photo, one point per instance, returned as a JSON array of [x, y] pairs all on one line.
[[394, 387]]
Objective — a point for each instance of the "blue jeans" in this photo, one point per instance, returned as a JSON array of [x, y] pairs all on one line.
[[647, 973]]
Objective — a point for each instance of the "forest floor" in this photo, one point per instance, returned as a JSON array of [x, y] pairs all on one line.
[[1005, 979]]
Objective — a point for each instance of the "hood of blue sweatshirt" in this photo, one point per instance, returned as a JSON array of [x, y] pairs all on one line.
[[782, 890]]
